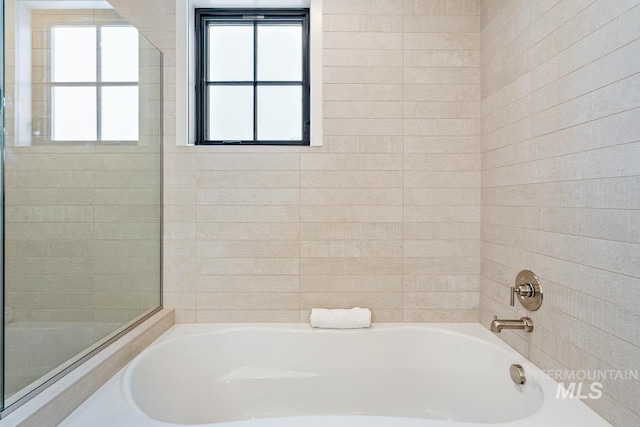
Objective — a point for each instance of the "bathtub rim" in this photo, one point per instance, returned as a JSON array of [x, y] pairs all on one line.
[[468, 331]]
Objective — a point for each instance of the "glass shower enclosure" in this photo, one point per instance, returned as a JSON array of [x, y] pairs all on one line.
[[81, 186]]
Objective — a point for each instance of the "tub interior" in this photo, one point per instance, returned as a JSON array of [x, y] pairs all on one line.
[[260, 373]]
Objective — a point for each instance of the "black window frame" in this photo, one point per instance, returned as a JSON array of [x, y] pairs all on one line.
[[204, 18]]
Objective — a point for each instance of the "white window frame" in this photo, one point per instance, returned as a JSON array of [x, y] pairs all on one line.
[[185, 60]]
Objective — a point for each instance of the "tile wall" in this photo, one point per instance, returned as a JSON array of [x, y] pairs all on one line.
[[386, 214], [560, 183]]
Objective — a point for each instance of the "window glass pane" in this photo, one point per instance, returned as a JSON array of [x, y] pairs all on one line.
[[74, 54], [74, 114], [231, 52], [119, 54], [230, 113], [280, 52], [119, 121], [280, 113]]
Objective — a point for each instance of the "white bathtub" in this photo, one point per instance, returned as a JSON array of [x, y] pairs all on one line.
[[290, 375]]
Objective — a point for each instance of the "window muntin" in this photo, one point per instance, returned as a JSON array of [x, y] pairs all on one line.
[[252, 76], [94, 83]]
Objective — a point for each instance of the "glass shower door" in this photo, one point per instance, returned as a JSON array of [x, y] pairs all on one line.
[[82, 190]]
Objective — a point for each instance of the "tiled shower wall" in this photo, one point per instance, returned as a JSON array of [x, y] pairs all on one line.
[[386, 214], [560, 150]]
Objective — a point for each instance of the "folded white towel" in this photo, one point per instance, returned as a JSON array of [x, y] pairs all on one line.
[[340, 318]]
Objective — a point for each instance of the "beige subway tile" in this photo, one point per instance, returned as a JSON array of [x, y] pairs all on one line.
[[375, 214], [363, 7], [247, 283], [442, 127], [179, 300], [361, 75], [48, 231], [435, 214], [442, 196], [352, 231], [440, 75], [367, 248], [247, 301], [442, 283], [619, 225], [363, 144], [609, 193], [442, 144], [605, 254], [261, 266], [616, 129], [442, 179], [247, 249], [247, 179], [441, 231], [441, 110], [441, 265], [441, 162], [49, 179], [443, 41], [381, 300], [352, 162], [362, 110], [619, 160], [368, 23], [249, 197], [441, 248], [244, 316], [247, 161], [441, 300], [350, 283], [361, 40], [180, 248], [49, 196], [362, 58], [375, 127], [358, 266], [48, 214], [342, 196], [441, 316], [441, 24], [247, 231], [362, 92], [244, 214], [351, 179], [441, 58], [180, 196], [50, 162]]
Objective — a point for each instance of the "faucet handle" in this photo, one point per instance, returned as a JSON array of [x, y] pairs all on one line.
[[523, 290], [528, 289]]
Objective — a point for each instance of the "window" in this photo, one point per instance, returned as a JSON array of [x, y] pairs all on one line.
[[94, 83], [252, 78]]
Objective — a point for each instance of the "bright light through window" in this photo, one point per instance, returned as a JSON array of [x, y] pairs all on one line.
[[120, 113], [74, 54], [91, 103], [74, 113], [119, 46]]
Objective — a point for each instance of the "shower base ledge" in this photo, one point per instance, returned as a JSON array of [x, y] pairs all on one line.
[[54, 404]]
